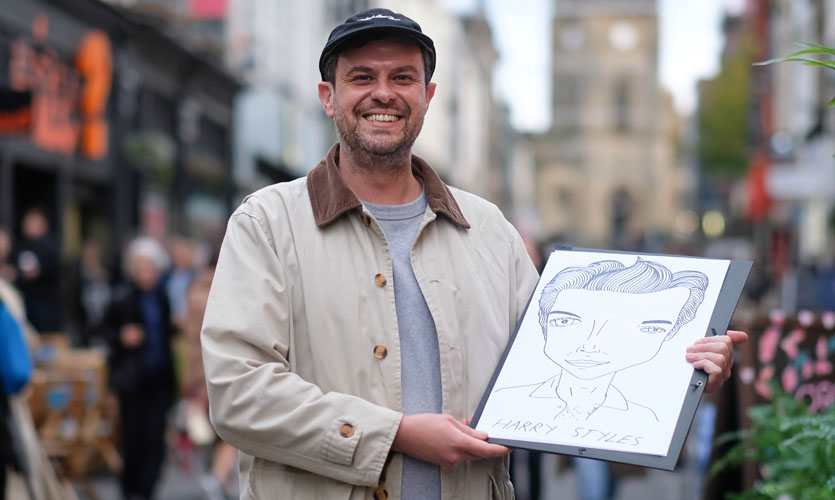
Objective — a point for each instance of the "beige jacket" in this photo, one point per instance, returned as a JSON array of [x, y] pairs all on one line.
[[300, 338]]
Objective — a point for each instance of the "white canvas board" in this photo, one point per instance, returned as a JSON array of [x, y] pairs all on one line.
[[599, 357]]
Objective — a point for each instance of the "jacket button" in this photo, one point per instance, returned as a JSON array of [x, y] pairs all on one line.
[[380, 352], [380, 280], [346, 430], [365, 219]]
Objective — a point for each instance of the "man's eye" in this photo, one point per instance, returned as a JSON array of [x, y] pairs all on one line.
[[561, 321], [362, 78], [403, 77], [652, 329]]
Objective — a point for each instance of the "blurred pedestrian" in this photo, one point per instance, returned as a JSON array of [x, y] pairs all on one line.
[[38, 261], [7, 269], [217, 479], [34, 476], [140, 332], [92, 295], [178, 278]]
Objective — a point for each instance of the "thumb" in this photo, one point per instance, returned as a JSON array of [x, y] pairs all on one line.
[[737, 337]]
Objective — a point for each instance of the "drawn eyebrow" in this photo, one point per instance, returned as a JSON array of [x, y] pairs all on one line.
[[566, 313], [662, 321]]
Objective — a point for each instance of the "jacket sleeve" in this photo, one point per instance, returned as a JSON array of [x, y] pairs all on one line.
[[257, 403], [526, 276]]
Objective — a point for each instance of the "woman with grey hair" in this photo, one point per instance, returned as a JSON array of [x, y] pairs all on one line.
[[139, 331]]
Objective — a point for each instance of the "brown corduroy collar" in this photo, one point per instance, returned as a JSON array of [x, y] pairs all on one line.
[[330, 197]]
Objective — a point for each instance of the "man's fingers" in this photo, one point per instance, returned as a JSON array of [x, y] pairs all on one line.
[[714, 355], [483, 449], [714, 365], [463, 426], [737, 337], [479, 447]]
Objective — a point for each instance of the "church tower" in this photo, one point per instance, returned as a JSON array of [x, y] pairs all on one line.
[[607, 167]]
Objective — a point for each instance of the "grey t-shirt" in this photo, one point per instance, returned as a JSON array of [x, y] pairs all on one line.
[[419, 354]]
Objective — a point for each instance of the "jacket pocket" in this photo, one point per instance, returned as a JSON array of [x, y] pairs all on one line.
[[274, 481]]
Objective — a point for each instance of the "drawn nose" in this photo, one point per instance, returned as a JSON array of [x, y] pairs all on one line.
[[590, 344]]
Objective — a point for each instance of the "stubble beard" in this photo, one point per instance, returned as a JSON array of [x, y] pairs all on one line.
[[371, 154]]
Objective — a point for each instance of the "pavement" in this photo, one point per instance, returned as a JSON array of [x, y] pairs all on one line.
[[560, 483]]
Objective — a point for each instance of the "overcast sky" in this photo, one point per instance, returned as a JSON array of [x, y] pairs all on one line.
[[690, 42]]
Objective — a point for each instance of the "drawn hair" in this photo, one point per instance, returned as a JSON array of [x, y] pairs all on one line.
[[612, 276]]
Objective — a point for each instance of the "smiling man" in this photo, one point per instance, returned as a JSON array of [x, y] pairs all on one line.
[[351, 327]]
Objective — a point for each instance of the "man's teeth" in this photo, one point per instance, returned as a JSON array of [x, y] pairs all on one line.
[[383, 118]]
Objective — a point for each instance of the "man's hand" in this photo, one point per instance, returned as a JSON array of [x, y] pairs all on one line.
[[442, 440], [714, 355], [132, 335]]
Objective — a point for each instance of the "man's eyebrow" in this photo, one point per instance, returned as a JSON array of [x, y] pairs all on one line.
[[565, 313], [406, 68], [360, 69], [399, 69], [662, 321]]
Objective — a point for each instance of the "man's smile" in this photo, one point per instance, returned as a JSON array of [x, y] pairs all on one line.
[[380, 117]]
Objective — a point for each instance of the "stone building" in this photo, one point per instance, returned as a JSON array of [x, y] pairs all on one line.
[[607, 168]]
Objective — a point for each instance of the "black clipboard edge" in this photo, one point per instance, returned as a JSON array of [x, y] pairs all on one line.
[[732, 285]]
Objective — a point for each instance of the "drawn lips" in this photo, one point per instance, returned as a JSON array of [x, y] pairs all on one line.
[[585, 363]]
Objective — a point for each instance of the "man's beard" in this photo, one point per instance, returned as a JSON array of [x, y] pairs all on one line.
[[371, 153]]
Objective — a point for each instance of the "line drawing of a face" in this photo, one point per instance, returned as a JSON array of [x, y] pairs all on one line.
[[588, 340]]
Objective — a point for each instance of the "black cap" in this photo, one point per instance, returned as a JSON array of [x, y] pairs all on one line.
[[381, 20]]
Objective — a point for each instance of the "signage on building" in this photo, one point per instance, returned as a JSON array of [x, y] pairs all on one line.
[[65, 111], [15, 111], [796, 353]]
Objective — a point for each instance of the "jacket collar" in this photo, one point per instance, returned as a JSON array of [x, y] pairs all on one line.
[[331, 198]]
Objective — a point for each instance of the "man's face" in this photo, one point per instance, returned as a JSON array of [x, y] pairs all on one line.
[[379, 97], [34, 225], [589, 341], [144, 273]]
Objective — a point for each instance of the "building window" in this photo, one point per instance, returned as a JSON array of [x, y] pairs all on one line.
[[621, 105]]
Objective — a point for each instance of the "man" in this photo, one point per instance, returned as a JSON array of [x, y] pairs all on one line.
[[39, 271], [357, 314]]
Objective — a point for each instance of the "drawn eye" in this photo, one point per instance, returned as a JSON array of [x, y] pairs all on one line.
[[561, 321], [652, 330]]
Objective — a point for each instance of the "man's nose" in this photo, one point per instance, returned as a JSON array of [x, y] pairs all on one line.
[[383, 91]]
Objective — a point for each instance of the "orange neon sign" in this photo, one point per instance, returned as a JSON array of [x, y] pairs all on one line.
[[68, 104]]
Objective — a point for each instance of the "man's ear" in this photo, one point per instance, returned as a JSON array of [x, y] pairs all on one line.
[[430, 92], [326, 97]]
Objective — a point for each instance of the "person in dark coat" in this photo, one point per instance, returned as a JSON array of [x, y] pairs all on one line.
[[38, 258], [140, 332]]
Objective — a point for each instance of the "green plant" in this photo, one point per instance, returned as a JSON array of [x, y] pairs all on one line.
[[798, 56], [795, 451]]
